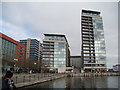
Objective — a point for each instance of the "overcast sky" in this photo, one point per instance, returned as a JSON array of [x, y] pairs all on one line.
[[32, 20]]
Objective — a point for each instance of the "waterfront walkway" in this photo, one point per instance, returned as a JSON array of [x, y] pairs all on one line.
[[22, 80]]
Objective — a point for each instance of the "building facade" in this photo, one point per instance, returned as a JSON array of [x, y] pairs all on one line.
[[13, 53], [55, 51], [32, 52], [41, 50], [76, 61], [93, 42], [116, 68]]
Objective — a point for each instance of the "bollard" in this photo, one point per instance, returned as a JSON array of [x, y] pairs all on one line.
[[48, 75], [29, 78], [16, 79], [34, 77], [38, 76], [23, 79], [41, 75]]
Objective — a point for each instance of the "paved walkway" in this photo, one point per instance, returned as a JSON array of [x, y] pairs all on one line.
[[22, 80]]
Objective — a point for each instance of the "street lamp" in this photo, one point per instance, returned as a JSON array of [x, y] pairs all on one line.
[[35, 63], [35, 66], [45, 66], [15, 65], [15, 59]]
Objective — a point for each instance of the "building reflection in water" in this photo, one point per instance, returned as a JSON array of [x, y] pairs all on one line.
[[80, 82]]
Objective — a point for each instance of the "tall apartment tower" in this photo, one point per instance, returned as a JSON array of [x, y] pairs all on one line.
[[55, 52], [93, 43], [32, 51]]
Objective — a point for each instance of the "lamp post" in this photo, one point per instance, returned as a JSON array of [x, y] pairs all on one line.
[[15, 66], [15, 59], [35, 66]]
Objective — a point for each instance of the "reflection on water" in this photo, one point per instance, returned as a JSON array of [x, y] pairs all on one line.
[[81, 82]]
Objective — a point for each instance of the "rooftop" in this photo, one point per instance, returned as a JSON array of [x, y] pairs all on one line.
[[55, 35], [29, 39], [61, 35], [11, 40], [90, 11], [75, 56]]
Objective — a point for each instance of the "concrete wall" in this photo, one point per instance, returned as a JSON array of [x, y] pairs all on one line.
[[63, 69]]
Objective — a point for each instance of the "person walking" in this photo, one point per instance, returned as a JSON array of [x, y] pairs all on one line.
[[7, 82]]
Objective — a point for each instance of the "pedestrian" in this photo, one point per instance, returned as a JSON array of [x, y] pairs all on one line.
[[30, 71], [7, 82]]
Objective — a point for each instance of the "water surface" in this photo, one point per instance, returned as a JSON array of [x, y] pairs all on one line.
[[81, 82]]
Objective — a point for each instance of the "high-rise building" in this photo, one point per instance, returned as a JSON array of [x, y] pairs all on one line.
[[13, 53], [32, 52], [55, 52], [93, 42]]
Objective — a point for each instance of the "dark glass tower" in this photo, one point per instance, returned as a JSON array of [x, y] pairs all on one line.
[[32, 53], [32, 48], [93, 43]]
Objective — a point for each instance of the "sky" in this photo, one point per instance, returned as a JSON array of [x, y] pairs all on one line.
[[21, 20]]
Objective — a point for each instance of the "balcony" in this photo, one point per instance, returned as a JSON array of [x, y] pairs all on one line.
[[88, 46], [48, 43], [84, 39], [47, 53], [49, 50], [87, 30], [89, 59], [88, 49], [90, 56], [87, 36], [90, 67], [88, 43], [48, 47]]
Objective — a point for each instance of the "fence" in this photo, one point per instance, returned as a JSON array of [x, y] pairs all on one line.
[[33, 77], [28, 79], [94, 74]]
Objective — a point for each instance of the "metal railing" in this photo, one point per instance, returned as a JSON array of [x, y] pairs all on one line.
[[32, 77]]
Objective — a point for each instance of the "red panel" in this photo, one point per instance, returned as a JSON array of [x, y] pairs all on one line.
[[19, 55], [8, 38], [21, 45], [17, 48], [20, 51], [12, 40], [20, 58]]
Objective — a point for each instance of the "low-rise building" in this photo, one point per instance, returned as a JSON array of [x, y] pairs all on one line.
[[116, 68], [76, 62]]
